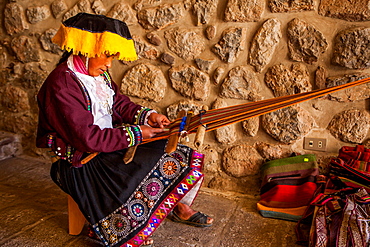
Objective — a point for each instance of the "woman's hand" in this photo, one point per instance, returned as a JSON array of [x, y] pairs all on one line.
[[149, 132], [157, 120]]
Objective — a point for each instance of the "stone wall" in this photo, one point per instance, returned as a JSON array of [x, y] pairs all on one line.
[[215, 53]]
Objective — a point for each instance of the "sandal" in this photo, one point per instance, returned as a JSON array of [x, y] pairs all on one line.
[[198, 219]]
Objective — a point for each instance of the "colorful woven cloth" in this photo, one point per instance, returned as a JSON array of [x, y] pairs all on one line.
[[338, 216], [356, 157], [220, 117], [352, 166], [288, 186], [93, 35]]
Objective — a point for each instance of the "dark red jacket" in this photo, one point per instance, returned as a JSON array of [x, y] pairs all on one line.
[[63, 113]]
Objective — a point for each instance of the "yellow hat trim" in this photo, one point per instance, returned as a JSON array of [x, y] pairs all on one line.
[[91, 44]]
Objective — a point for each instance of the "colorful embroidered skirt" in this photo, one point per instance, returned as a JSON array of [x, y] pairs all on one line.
[[125, 203]]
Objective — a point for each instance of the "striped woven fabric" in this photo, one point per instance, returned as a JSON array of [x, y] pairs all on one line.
[[337, 216], [338, 167], [288, 186], [220, 117], [356, 157], [352, 166], [289, 196], [292, 214], [353, 183]]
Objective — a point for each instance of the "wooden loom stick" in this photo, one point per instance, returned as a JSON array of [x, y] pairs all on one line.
[[201, 131], [129, 155], [174, 139]]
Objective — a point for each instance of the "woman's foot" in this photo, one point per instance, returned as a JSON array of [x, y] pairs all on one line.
[[182, 213]]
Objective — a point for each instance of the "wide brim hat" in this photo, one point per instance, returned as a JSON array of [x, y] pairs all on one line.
[[93, 35]]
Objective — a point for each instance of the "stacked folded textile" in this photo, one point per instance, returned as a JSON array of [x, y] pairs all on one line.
[[352, 166], [288, 186]]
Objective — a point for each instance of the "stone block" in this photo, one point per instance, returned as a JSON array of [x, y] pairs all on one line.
[[10, 145]]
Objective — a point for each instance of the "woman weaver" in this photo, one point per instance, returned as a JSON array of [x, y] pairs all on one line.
[[89, 126]]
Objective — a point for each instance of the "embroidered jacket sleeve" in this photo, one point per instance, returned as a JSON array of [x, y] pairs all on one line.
[[64, 113]]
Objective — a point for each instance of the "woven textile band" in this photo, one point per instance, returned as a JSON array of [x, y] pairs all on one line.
[[93, 35], [220, 117], [217, 118]]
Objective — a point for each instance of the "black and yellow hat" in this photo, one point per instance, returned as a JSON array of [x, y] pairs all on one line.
[[93, 35]]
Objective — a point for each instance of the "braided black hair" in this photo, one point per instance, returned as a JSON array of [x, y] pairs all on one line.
[[64, 57]]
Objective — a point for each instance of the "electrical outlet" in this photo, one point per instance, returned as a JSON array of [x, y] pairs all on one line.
[[317, 144]]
